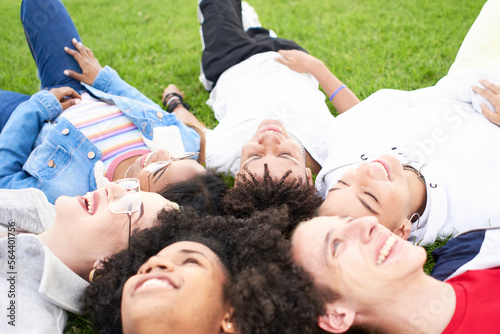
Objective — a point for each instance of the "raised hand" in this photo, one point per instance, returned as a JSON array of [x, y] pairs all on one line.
[[490, 92], [66, 96], [88, 63]]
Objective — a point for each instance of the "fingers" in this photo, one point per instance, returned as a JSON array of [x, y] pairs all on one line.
[[69, 102], [80, 47], [491, 92], [61, 92], [490, 115], [74, 75], [495, 89]]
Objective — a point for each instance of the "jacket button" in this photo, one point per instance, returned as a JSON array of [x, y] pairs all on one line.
[[91, 155], [65, 131], [51, 163], [159, 115]]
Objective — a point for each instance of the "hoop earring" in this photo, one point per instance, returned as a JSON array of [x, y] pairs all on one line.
[[91, 275], [417, 215]]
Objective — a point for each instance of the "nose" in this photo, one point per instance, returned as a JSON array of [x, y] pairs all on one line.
[[269, 138], [113, 190], [363, 172], [363, 228], [160, 155], [156, 263]]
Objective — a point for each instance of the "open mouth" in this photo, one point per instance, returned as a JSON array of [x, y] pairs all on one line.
[[381, 166], [162, 282], [89, 202], [271, 128], [386, 248]]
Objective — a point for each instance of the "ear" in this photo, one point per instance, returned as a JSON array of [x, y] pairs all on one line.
[[404, 229], [338, 319], [309, 177], [228, 325]]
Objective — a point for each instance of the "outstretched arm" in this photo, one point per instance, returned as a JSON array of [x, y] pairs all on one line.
[[491, 92], [184, 115], [340, 95]]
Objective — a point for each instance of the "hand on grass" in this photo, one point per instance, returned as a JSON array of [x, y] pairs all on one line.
[[66, 96], [88, 63], [297, 60], [491, 92]]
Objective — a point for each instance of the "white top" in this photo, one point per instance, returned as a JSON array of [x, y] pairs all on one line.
[[440, 126], [37, 287], [261, 88]]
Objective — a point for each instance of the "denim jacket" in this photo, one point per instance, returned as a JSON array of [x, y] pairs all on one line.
[[39, 150]]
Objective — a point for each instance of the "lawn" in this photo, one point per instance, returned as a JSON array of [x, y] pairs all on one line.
[[370, 44]]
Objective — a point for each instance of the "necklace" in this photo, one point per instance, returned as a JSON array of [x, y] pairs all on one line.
[[416, 171]]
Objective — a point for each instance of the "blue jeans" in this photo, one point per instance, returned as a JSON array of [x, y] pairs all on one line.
[[48, 29], [8, 103]]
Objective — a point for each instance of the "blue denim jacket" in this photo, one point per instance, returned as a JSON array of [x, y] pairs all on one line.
[[56, 157]]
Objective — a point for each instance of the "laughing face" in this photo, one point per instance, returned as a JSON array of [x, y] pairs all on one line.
[[356, 260], [379, 189], [176, 171], [273, 145], [91, 228], [180, 289]]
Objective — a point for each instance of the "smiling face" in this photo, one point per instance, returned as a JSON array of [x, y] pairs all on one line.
[[273, 145], [358, 261], [87, 224], [180, 289], [379, 189], [176, 171]]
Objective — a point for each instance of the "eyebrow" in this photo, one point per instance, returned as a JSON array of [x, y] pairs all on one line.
[[326, 245], [190, 251], [292, 159]]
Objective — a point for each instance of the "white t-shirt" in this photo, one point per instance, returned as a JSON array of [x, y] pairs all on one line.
[[261, 88], [441, 126]]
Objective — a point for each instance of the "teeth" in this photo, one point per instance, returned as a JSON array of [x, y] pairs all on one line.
[[386, 249], [88, 200], [157, 283], [380, 167]]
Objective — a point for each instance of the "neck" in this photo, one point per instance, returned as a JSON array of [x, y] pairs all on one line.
[[122, 168], [63, 249], [418, 193], [312, 164], [424, 306]]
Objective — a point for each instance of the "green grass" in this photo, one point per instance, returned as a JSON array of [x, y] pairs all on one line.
[[370, 45]]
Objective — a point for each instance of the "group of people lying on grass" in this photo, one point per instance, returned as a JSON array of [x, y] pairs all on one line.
[[114, 191]]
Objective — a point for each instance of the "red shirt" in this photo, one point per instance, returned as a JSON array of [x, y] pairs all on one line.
[[478, 302]]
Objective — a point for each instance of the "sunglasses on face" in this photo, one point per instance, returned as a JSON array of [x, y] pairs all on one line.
[[157, 167], [127, 202]]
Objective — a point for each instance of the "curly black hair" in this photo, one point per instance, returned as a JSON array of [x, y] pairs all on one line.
[[269, 293], [203, 193], [301, 201]]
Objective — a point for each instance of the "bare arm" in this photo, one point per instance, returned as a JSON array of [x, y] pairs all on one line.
[[184, 115], [301, 62]]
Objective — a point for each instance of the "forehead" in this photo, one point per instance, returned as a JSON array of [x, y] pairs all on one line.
[[181, 170], [343, 202], [187, 246]]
